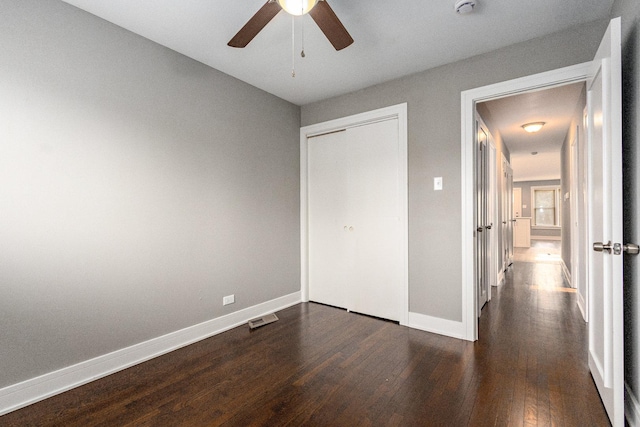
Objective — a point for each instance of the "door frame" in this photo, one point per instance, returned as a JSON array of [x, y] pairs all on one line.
[[399, 112], [469, 98], [574, 183]]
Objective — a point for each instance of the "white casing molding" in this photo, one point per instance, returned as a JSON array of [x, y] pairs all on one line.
[[22, 394]]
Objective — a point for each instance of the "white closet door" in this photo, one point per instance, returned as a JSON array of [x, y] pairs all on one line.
[[373, 154], [355, 257], [329, 248]]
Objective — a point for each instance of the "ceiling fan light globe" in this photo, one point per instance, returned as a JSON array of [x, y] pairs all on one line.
[[297, 7]]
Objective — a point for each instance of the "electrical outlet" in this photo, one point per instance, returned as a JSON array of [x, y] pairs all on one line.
[[229, 299]]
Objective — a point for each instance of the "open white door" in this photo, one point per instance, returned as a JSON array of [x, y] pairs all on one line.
[[606, 357], [483, 227]]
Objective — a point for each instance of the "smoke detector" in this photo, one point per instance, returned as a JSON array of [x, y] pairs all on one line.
[[464, 6]]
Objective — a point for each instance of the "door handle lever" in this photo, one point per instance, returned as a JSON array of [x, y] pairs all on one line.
[[631, 249]]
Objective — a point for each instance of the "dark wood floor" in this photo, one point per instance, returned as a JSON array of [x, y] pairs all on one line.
[[323, 366]]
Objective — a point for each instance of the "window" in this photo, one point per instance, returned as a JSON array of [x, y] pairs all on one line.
[[546, 206]]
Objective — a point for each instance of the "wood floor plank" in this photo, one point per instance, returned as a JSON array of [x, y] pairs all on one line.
[[322, 366]]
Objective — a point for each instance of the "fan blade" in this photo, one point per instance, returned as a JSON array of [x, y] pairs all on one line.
[[255, 24], [330, 25]]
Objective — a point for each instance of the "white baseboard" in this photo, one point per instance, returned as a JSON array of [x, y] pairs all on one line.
[[631, 407], [566, 273], [436, 325], [500, 278], [582, 306], [22, 394]]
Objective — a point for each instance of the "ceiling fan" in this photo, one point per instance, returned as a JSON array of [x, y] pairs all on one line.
[[319, 10]]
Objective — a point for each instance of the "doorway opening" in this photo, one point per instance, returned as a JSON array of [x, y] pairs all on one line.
[[469, 100], [549, 179]]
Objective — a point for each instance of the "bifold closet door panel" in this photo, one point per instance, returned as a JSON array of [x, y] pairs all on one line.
[[330, 249], [374, 213]]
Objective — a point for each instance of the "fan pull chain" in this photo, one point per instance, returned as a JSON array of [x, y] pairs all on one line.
[[302, 53], [293, 46]]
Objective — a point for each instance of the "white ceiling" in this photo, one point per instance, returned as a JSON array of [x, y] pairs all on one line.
[[392, 38], [556, 107]]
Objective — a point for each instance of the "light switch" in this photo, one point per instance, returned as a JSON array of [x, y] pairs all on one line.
[[437, 183]]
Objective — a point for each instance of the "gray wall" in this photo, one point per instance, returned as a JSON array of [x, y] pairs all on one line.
[[630, 12], [138, 188], [433, 98]]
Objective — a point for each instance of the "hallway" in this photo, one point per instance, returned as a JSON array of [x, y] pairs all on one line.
[[534, 329], [322, 366]]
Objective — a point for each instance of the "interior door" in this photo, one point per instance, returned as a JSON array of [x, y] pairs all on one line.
[[374, 224], [507, 213], [605, 218], [482, 217], [330, 249], [493, 250]]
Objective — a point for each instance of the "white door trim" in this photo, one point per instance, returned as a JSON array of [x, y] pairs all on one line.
[[574, 213], [562, 76], [396, 111]]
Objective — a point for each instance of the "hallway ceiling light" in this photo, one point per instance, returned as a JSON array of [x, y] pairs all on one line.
[[533, 127]]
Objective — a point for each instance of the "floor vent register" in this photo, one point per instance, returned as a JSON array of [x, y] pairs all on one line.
[[261, 321]]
